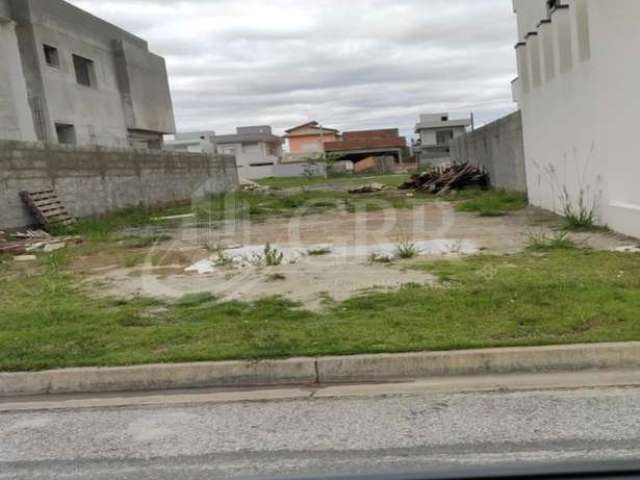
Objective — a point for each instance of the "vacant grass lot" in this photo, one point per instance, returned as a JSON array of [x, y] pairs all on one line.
[[342, 181], [493, 203], [250, 206], [546, 297], [259, 206]]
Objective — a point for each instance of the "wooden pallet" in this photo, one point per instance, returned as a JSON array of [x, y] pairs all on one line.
[[47, 208]]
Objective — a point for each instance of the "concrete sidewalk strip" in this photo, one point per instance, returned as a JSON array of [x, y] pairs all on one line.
[[479, 362], [295, 371], [307, 371]]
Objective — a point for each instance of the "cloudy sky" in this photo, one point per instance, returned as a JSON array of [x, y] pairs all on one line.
[[349, 64]]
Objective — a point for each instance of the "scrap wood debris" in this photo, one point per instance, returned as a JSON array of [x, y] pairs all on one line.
[[50, 212], [369, 188], [442, 180], [31, 241], [29, 234], [251, 186]]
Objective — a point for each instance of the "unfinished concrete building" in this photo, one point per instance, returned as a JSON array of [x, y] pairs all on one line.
[[69, 77]]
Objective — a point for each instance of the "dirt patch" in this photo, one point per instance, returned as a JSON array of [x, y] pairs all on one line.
[[438, 220], [343, 271], [160, 256], [311, 281]]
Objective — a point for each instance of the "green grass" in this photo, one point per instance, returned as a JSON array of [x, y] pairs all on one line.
[[195, 300], [246, 205], [319, 252], [582, 222], [259, 206], [542, 242], [332, 182], [104, 227], [136, 241], [493, 203], [48, 320]]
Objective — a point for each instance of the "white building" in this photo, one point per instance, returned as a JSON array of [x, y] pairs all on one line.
[[577, 88], [435, 132], [257, 150], [194, 142]]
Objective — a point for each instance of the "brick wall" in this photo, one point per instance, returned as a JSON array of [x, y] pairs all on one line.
[[95, 180]]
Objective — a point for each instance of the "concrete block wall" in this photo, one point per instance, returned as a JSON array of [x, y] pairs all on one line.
[[499, 148], [300, 169], [96, 180]]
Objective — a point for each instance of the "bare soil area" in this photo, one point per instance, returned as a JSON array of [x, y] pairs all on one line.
[[221, 258]]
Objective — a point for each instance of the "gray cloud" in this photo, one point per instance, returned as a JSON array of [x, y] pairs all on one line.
[[349, 64]]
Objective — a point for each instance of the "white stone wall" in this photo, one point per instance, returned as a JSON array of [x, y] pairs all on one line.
[[579, 111], [530, 12]]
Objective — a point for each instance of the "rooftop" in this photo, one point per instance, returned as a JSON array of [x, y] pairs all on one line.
[[309, 126], [194, 136], [253, 134], [440, 120], [368, 140]]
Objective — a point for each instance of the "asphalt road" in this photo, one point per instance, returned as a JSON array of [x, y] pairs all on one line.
[[398, 432]]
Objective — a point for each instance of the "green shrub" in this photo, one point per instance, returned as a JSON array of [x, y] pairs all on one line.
[[271, 257], [407, 249], [494, 203], [541, 242], [196, 299]]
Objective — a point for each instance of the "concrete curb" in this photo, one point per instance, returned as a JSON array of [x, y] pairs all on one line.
[[159, 377], [309, 371]]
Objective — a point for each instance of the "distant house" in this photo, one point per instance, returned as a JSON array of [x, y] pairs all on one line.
[[435, 132], [257, 150], [360, 145], [194, 142], [308, 140]]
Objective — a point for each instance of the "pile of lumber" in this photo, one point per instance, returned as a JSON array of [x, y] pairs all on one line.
[[444, 180]]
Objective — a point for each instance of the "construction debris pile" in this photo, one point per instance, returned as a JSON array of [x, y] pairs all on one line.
[[251, 186], [33, 241], [369, 188], [443, 180]]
